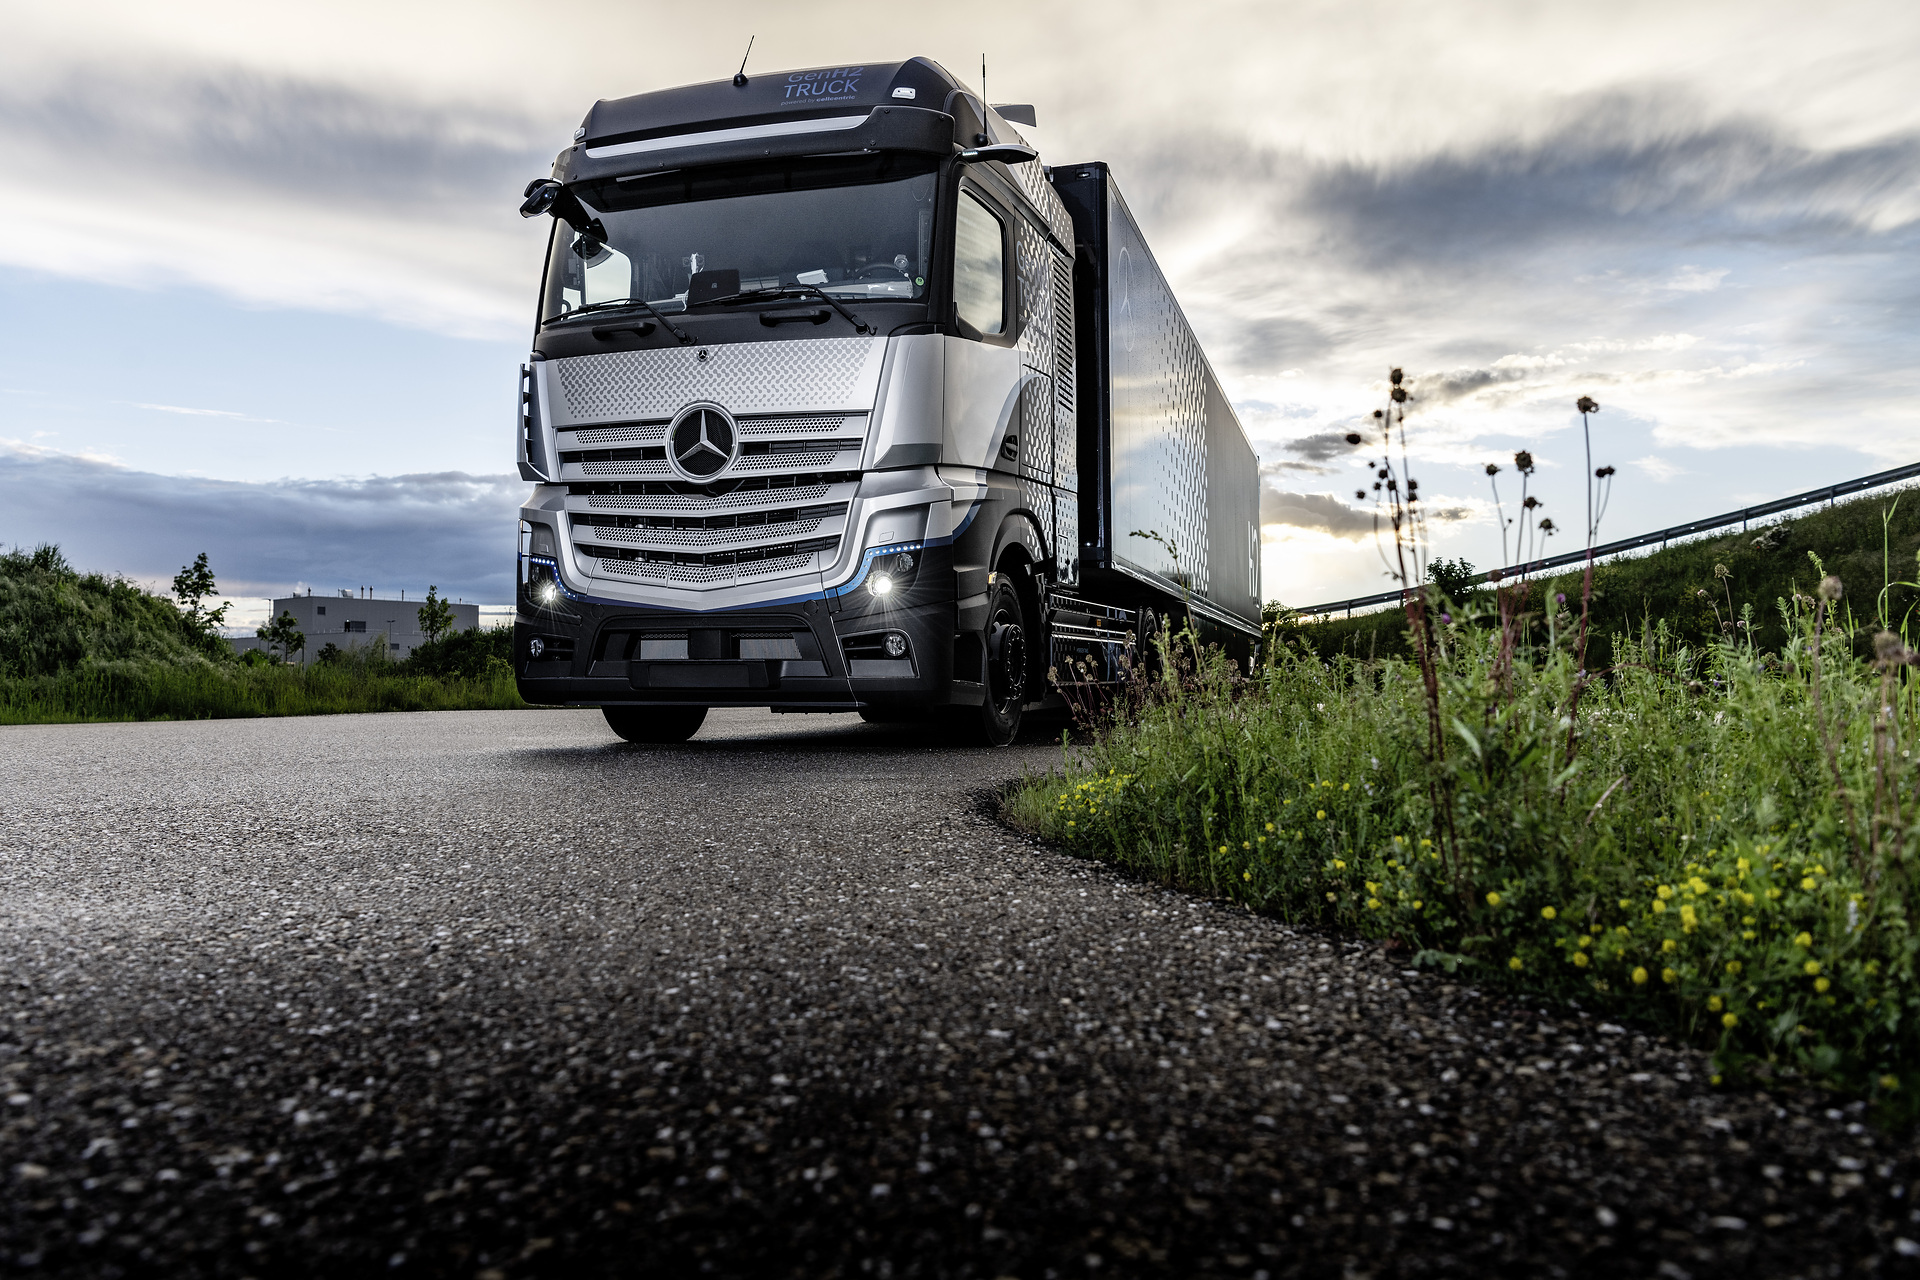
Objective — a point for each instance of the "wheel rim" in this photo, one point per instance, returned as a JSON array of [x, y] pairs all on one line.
[[1007, 661]]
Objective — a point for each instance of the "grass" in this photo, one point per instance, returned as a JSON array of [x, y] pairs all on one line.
[[1630, 593], [84, 647], [1722, 841]]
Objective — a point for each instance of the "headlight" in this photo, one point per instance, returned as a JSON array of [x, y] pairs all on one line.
[[881, 585], [549, 592]]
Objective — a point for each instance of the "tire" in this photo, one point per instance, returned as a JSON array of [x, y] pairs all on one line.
[[1009, 662], [655, 724]]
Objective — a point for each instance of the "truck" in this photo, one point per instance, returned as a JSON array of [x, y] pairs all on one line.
[[840, 400]]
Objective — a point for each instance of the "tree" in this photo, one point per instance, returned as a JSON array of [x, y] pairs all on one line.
[[1455, 578], [192, 585], [436, 616], [281, 634]]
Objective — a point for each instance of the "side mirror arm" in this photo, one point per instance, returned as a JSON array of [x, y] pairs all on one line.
[[1004, 152], [544, 195]]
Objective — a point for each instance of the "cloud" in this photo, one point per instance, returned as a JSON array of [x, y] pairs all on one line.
[[1322, 446], [1317, 511], [202, 413], [448, 529], [276, 190], [1657, 468]]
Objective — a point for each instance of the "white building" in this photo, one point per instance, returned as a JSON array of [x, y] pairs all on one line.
[[352, 620]]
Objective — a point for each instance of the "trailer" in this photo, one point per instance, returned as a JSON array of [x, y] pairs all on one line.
[[840, 400]]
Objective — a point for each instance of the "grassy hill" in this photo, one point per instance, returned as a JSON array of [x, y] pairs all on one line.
[[76, 647], [1763, 564]]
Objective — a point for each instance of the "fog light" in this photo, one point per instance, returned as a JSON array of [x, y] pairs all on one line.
[[895, 644], [549, 592], [882, 585], [536, 647]]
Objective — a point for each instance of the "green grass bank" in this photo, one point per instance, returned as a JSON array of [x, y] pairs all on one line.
[[83, 647], [1720, 838]]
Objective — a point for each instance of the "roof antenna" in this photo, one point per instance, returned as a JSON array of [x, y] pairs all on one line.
[[740, 76], [983, 79]]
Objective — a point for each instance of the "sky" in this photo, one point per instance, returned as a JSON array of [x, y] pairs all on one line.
[[264, 291]]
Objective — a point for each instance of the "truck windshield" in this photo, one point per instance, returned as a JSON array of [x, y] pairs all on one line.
[[856, 227]]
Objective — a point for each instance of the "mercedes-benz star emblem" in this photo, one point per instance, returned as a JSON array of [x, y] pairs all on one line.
[[701, 441]]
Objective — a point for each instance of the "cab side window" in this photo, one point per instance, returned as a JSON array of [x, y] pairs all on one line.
[[979, 267]]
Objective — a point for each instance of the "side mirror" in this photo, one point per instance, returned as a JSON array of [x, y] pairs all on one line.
[[540, 196], [1004, 152]]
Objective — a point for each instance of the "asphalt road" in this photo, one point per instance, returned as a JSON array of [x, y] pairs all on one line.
[[495, 995]]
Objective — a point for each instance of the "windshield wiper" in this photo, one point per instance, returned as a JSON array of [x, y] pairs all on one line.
[[792, 291], [625, 304]]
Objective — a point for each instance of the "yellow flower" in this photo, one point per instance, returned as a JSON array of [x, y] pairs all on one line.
[[1733, 966], [1493, 899], [1639, 977], [1622, 930], [1667, 944], [1665, 892], [1889, 1083], [1426, 844], [1713, 1004], [1372, 887], [1373, 904], [1515, 964], [1223, 848], [1728, 1020], [1346, 786], [1689, 919], [1821, 985], [1246, 875], [1269, 826], [1580, 959], [1333, 897], [1803, 940], [1812, 967], [1748, 935], [1698, 885], [1626, 904], [1319, 813], [1339, 865], [1743, 865], [1548, 913], [1808, 883], [1417, 904], [1668, 976], [1246, 844], [1658, 906]]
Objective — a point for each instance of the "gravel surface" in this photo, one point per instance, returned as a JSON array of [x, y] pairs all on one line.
[[494, 995]]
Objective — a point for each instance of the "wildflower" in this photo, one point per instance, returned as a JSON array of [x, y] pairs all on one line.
[[1889, 1083], [1586, 404], [1812, 967], [1493, 899], [1803, 940], [1580, 959], [1665, 891], [1626, 904], [1821, 985], [1333, 897], [1515, 964], [1246, 875], [1269, 826], [1713, 1004], [1339, 865], [1808, 883], [1426, 844], [1729, 1021], [1223, 848], [1547, 913], [1372, 887], [1733, 966], [1373, 904], [1622, 930], [1417, 904], [1658, 906], [1689, 919], [1743, 865], [1668, 976], [1320, 813], [1595, 929], [1667, 944], [1639, 977], [1830, 588], [1748, 935]]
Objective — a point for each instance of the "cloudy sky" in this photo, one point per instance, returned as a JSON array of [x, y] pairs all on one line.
[[263, 290]]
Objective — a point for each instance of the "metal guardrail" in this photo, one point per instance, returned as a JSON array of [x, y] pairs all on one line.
[[1661, 536]]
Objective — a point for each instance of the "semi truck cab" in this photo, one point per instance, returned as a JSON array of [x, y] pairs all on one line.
[[821, 363]]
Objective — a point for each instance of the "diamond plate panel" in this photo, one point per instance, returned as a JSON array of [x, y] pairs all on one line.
[[802, 376], [1032, 178]]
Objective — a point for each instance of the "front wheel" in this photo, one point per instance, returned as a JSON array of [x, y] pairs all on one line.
[[655, 724], [1007, 663]]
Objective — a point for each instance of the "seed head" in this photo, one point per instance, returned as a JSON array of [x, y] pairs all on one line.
[[1889, 648], [1547, 525], [1587, 404], [1377, 415], [1353, 437], [1721, 571], [1830, 588], [1493, 469], [1399, 395], [1531, 502], [1394, 377], [1360, 494], [1523, 462], [1603, 473]]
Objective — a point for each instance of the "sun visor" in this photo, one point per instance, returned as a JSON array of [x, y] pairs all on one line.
[[887, 128]]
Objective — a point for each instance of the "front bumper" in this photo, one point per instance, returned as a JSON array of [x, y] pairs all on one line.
[[820, 654]]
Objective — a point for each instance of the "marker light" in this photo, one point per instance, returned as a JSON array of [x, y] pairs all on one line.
[[895, 644], [536, 647], [882, 585]]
